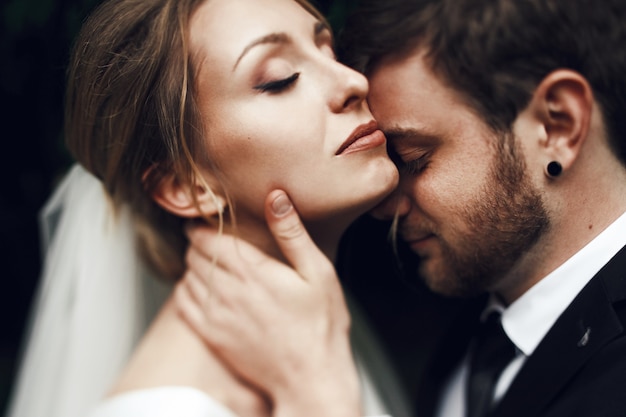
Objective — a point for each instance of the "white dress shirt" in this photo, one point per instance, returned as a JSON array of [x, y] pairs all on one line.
[[527, 320]]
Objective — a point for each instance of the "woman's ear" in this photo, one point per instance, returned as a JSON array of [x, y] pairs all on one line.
[[563, 104], [178, 198]]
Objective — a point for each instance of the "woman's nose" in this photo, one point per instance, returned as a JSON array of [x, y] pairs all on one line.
[[349, 89]]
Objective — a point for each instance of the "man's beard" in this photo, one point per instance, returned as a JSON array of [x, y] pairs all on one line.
[[503, 222]]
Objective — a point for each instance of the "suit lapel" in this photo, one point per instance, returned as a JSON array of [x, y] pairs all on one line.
[[585, 327]]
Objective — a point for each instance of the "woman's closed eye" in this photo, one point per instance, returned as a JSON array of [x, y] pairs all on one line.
[[277, 86]]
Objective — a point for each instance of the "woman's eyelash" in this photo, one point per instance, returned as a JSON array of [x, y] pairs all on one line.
[[278, 85]]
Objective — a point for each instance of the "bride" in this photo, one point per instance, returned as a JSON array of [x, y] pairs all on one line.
[[185, 111]]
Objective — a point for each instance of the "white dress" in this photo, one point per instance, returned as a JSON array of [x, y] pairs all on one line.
[[95, 301], [162, 402]]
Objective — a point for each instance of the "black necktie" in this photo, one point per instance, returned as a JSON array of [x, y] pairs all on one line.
[[491, 353]]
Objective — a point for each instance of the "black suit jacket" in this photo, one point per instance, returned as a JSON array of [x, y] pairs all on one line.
[[578, 369]]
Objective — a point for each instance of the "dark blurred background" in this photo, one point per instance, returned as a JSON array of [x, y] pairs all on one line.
[[35, 38]]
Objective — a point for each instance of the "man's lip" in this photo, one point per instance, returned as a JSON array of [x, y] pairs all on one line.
[[410, 239], [361, 131], [418, 244]]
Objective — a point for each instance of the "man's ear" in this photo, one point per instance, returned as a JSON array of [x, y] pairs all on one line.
[[178, 198], [562, 104]]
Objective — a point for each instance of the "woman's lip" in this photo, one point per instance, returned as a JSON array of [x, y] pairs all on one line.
[[373, 140], [365, 136]]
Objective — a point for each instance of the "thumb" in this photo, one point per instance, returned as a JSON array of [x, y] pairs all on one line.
[[293, 239]]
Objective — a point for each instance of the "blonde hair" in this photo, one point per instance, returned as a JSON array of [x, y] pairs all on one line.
[[132, 117]]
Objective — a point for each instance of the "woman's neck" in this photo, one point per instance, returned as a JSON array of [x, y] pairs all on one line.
[[172, 354], [326, 237]]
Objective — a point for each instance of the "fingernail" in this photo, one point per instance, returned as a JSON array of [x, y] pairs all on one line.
[[281, 205]]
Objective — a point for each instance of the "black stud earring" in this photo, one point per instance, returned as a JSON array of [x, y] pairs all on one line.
[[554, 169]]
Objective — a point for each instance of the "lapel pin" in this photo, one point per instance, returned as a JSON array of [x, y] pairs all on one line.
[[585, 339]]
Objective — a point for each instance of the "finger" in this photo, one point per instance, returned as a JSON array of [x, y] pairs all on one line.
[[293, 239], [190, 311], [198, 287], [198, 262], [214, 313]]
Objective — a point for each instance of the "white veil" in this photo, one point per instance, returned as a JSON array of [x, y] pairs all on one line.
[[94, 302]]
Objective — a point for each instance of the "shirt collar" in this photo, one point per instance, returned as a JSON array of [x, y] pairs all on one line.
[[531, 316]]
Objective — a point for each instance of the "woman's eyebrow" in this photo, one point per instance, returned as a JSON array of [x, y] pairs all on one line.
[[279, 37]]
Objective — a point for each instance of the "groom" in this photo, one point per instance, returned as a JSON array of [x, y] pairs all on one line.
[[506, 120]]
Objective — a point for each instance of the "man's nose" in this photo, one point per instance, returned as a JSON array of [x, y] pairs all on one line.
[[396, 204]]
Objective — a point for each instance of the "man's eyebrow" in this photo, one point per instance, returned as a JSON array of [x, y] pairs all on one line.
[[278, 37], [400, 135], [396, 133]]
